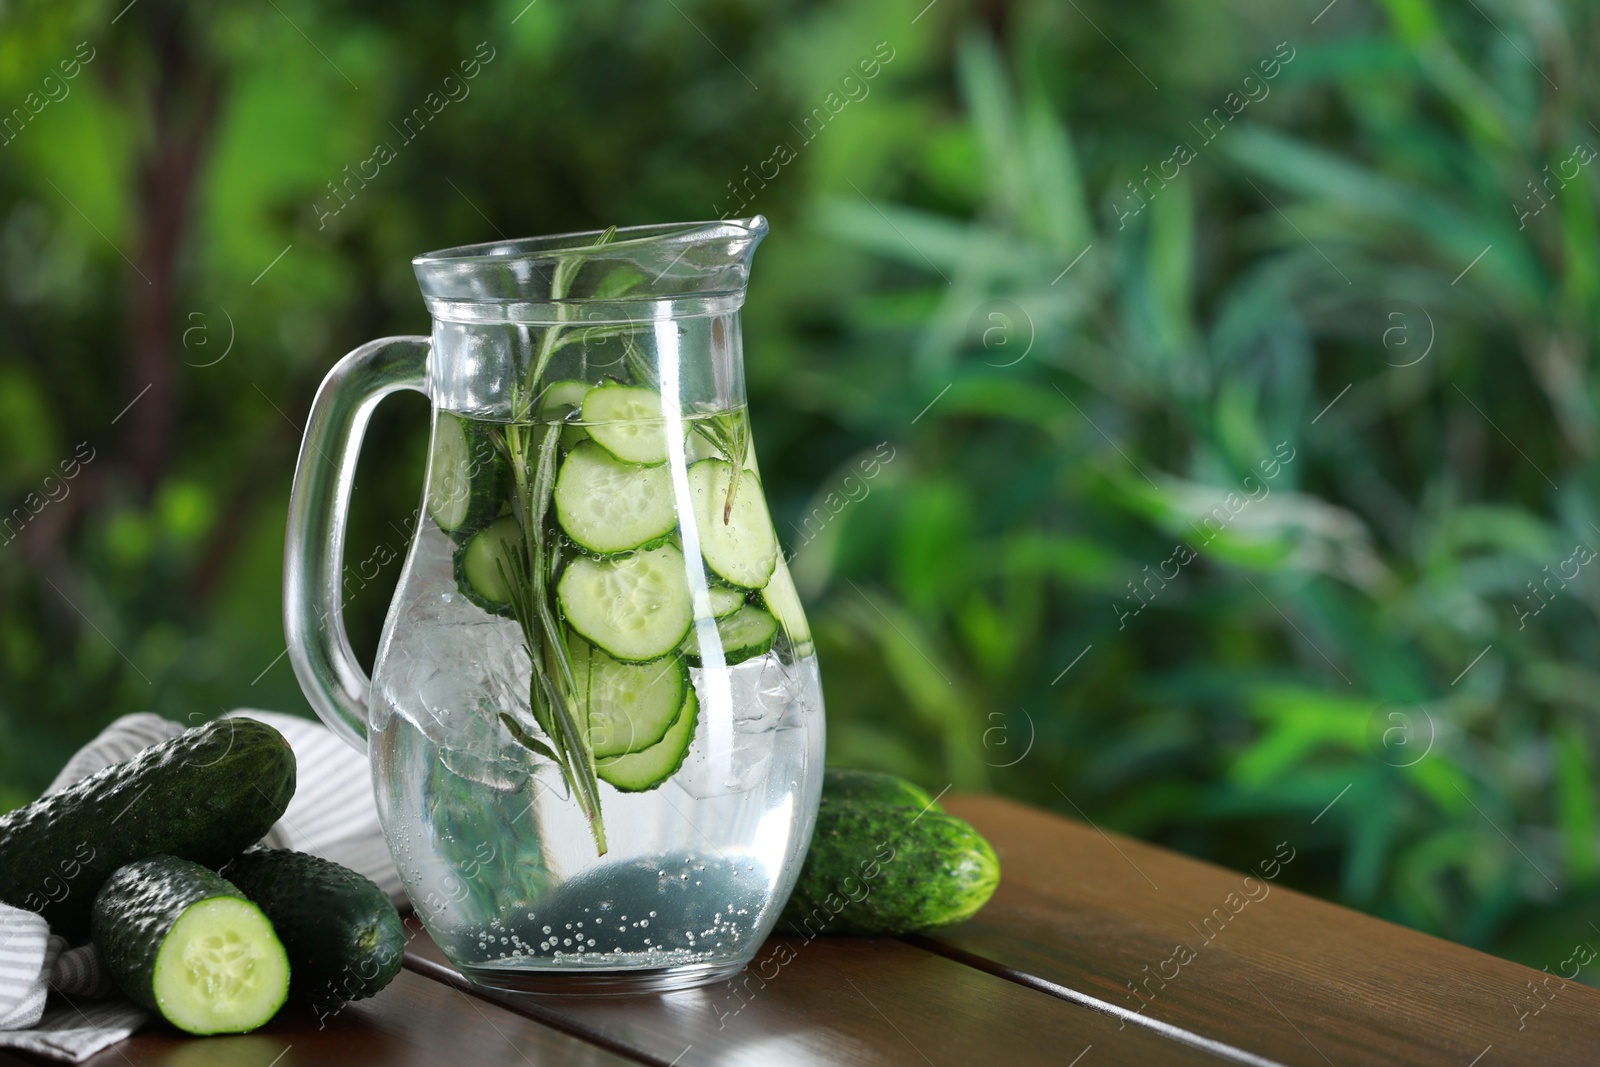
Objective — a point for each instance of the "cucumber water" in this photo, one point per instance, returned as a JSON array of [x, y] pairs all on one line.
[[693, 687]]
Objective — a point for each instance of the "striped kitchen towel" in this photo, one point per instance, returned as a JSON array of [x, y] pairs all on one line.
[[53, 999]]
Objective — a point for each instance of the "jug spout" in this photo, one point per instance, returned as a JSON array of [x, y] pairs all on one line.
[[699, 267]]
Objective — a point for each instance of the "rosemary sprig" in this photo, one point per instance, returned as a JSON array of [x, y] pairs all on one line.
[[731, 435], [553, 694]]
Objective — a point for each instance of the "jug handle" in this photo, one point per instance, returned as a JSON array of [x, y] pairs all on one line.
[[313, 594]]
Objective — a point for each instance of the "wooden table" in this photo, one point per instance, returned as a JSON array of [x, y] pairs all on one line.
[[1075, 962]]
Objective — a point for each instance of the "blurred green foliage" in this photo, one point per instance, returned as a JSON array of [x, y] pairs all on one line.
[[1226, 506]]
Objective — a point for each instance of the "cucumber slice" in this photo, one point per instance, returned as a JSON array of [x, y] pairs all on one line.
[[639, 771], [185, 943], [742, 550], [784, 602], [572, 435], [478, 564], [466, 476], [566, 394], [631, 706], [560, 399], [607, 506], [626, 421], [725, 600], [634, 607], [699, 447], [747, 633]]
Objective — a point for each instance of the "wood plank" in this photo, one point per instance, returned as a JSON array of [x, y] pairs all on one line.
[[413, 1023], [1282, 975], [846, 1001]]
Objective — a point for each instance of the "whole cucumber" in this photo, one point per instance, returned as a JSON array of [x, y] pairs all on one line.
[[205, 795], [345, 940], [887, 866], [185, 943], [839, 783]]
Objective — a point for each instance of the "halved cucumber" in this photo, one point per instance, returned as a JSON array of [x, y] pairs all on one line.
[[466, 476], [184, 942], [478, 565], [631, 706], [608, 506], [725, 600], [738, 543], [747, 633], [626, 420], [784, 602], [634, 607], [639, 771]]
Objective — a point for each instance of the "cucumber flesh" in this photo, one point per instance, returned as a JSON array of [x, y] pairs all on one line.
[[626, 420], [783, 601], [184, 942], [221, 969], [479, 564], [634, 607], [466, 476], [725, 600], [608, 506], [747, 633], [639, 771], [738, 543], [631, 706]]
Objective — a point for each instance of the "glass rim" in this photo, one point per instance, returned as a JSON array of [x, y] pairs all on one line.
[[554, 247]]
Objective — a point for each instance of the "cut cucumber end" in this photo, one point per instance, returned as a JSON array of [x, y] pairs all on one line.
[[221, 969]]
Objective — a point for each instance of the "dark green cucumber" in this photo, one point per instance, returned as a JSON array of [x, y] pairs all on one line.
[[206, 795], [468, 477], [345, 940], [185, 943], [880, 867], [840, 783]]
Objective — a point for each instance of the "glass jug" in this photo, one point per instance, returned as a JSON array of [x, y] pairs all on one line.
[[595, 720]]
